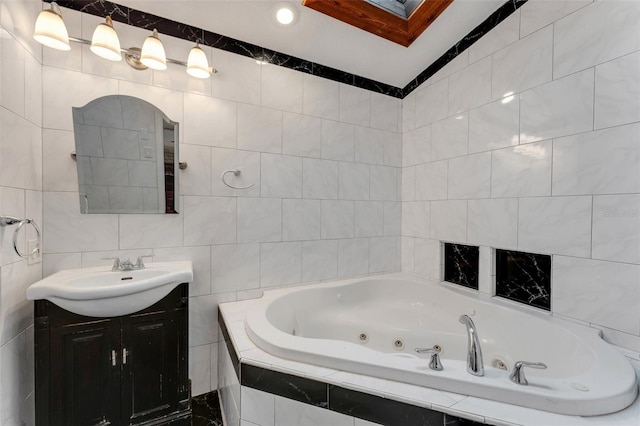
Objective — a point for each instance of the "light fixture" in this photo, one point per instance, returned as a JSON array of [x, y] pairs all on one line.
[[197, 64], [50, 29], [105, 43], [285, 15], [153, 55]]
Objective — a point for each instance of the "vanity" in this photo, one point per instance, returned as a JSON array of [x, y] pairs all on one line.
[[111, 346]]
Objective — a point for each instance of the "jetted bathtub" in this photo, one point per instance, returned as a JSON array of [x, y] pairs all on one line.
[[373, 325]]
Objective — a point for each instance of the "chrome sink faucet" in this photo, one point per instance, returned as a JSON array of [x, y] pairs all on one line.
[[475, 365], [126, 265]]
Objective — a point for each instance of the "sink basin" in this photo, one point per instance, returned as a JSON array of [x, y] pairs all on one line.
[[101, 292]]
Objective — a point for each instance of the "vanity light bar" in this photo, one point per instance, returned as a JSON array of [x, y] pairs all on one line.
[[51, 31]]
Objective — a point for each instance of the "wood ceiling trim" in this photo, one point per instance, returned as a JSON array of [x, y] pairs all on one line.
[[378, 21]]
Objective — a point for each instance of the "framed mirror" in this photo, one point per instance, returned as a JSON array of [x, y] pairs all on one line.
[[127, 157]]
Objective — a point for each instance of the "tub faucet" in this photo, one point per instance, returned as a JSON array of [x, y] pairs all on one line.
[[474, 351]]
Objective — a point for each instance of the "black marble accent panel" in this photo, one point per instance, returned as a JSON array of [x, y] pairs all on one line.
[[205, 410], [289, 386], [474, 35], [381, 410], [461, 264], [235, 359], [524, 277]]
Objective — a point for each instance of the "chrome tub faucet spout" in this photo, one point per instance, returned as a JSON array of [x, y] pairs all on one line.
[[475, 365]]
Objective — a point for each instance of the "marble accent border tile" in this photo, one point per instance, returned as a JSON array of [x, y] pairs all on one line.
[[380, 410], [289, 386], [461, 264], [172, 28], [524, 277]]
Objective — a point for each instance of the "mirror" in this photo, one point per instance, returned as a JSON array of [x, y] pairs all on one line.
[[127, 155]]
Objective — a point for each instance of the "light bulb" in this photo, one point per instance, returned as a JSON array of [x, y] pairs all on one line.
[[153, 55], [50, 29], [285, 16], [105, 43], [197, 64]]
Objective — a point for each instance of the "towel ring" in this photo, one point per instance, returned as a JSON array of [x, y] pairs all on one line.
[[8, 220], [236, 172]]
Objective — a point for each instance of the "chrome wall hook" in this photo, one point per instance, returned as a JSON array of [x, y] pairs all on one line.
[[236, 172]]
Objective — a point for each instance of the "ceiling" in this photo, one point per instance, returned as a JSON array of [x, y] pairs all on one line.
[[318, 38]]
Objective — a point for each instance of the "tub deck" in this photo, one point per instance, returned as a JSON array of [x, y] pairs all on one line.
[[480, 410]]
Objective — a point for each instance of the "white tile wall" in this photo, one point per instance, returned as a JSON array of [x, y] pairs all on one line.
[[21, 184], [309, 146], [550, 163]]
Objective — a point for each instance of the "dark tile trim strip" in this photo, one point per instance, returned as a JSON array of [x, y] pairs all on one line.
[[140, 19], [235, 359], [298, 388]]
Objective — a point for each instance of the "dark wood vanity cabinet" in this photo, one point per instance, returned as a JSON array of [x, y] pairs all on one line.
[[127, 370]]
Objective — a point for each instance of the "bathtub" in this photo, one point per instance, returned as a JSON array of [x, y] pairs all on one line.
[[372, 326]]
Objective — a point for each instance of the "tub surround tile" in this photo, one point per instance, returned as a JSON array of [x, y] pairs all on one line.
[[231, 351], [301, 135], [353, 257], [450, 137], [300, 220], [319, 260], [616, 220], [470, 87], [493, 222], [601, 162], [416, 146], [206, 410], [495, 125], [461, 265], [280, 176], [280, 263], [577, 292], [617, 98], [470, 176], [558, 225], [337, 219], [606, 30], [319, 179], [432, 103], [523, 64], [522, 171], [505, 33], [559, 108], [524, 277]]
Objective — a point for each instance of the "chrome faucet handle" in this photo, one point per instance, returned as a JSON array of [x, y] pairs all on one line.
[[435, 363], [517, 375], [116, 262], [140, 263]]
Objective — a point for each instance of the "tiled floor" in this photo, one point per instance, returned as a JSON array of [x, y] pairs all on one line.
[[206, 410]]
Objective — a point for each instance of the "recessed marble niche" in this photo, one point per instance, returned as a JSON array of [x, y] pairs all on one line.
[[524, 277], [461, 264]]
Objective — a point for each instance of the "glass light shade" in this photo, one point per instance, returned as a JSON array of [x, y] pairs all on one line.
[[105, 42], [51, 31], [197, 64], [153, 55]]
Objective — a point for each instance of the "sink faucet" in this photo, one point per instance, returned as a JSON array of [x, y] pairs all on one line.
[[474, 351], [126, 265]]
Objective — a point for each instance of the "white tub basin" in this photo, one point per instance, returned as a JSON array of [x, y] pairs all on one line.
[[353, 325], [101, 292]]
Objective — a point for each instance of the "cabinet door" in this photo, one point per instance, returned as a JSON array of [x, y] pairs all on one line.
[[150, 375], [85, 374]]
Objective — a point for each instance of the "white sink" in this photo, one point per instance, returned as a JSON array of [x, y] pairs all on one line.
[[101, 292]]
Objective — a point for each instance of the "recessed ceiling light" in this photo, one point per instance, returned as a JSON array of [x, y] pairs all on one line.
[[285, 15]]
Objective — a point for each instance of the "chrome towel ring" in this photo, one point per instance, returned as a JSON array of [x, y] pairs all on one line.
[[236, 172], [9, 220]]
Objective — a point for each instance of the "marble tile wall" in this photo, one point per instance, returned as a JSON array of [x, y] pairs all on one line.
[[20, 195], [324, 158], [530, 141]]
